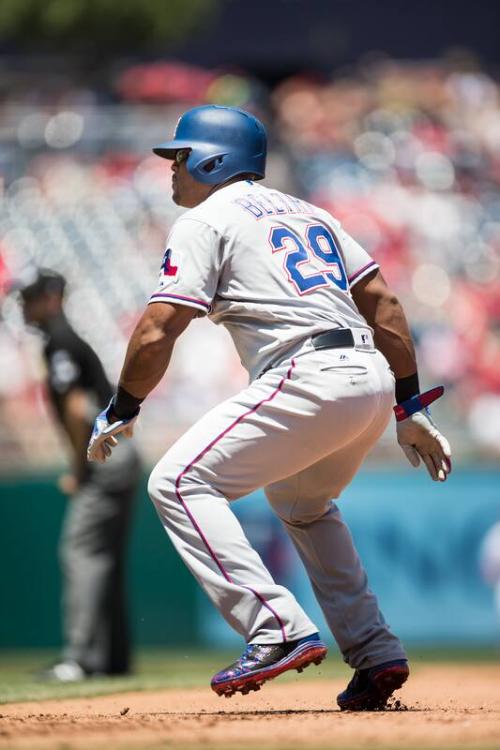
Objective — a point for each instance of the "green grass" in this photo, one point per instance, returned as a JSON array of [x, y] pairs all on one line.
[[156, 669]]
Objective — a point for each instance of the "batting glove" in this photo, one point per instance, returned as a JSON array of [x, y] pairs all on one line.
[[419, 437], [103, 440]]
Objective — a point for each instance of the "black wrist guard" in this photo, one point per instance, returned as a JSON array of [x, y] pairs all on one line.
[[406, 388], [123, 405]]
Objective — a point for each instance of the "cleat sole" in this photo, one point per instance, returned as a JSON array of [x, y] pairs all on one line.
[[310, 654]]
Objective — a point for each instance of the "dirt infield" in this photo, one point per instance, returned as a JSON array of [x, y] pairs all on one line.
[[447, 707]]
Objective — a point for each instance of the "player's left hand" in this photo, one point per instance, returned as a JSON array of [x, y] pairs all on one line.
[[419, 437], [103, 440]]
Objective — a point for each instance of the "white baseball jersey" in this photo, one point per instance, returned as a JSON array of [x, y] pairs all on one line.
[[270, 267], [274, 270]]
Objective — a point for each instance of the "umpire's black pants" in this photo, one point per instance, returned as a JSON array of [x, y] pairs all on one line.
[[92, 554]]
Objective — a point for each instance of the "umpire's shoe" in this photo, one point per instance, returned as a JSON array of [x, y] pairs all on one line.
[[370, 689], [261, 662]]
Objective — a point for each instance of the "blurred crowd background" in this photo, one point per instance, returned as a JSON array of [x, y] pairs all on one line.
[[405, 154], [385, 113]]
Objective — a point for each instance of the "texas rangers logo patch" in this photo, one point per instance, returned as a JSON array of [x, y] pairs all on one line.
[[166, 265]]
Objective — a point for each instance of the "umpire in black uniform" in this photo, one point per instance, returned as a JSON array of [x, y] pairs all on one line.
[[95, 529]]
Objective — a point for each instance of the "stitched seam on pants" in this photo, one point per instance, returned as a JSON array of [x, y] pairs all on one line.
[[197, 528]]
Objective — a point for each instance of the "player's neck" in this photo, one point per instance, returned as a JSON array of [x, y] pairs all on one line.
[[237, 178]]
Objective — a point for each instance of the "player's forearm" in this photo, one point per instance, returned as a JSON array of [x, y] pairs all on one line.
[[151, 345], [393, 337], [147, 359], [382, 311]]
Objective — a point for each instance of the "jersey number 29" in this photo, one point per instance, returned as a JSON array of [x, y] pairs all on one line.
[[320, 245]]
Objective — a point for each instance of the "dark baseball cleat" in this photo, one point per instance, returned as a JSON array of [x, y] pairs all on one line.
[[261, 662], [370, 689]]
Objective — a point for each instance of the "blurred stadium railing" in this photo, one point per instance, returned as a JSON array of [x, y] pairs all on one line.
[[406, 155]]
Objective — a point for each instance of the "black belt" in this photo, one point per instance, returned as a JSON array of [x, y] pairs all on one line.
[[337, 338]]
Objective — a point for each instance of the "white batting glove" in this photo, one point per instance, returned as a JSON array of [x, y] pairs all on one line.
[[103, 440], [419, 437]]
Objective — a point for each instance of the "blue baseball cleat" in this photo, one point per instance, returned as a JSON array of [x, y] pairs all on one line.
[[261, 662], [370, 689]]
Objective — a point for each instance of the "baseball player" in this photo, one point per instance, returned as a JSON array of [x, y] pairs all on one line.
[[97, 519], [328, 350]]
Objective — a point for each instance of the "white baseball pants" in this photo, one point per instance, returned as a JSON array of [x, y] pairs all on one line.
[[301, 431]]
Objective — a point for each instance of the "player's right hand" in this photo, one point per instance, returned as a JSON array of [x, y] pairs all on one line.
[[419, 438], [103, 440]]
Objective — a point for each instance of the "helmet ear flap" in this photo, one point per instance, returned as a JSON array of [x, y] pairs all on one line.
[[214, 164], [209, 166]]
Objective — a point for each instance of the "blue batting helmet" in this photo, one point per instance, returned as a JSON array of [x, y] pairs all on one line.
[[223, 142]]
